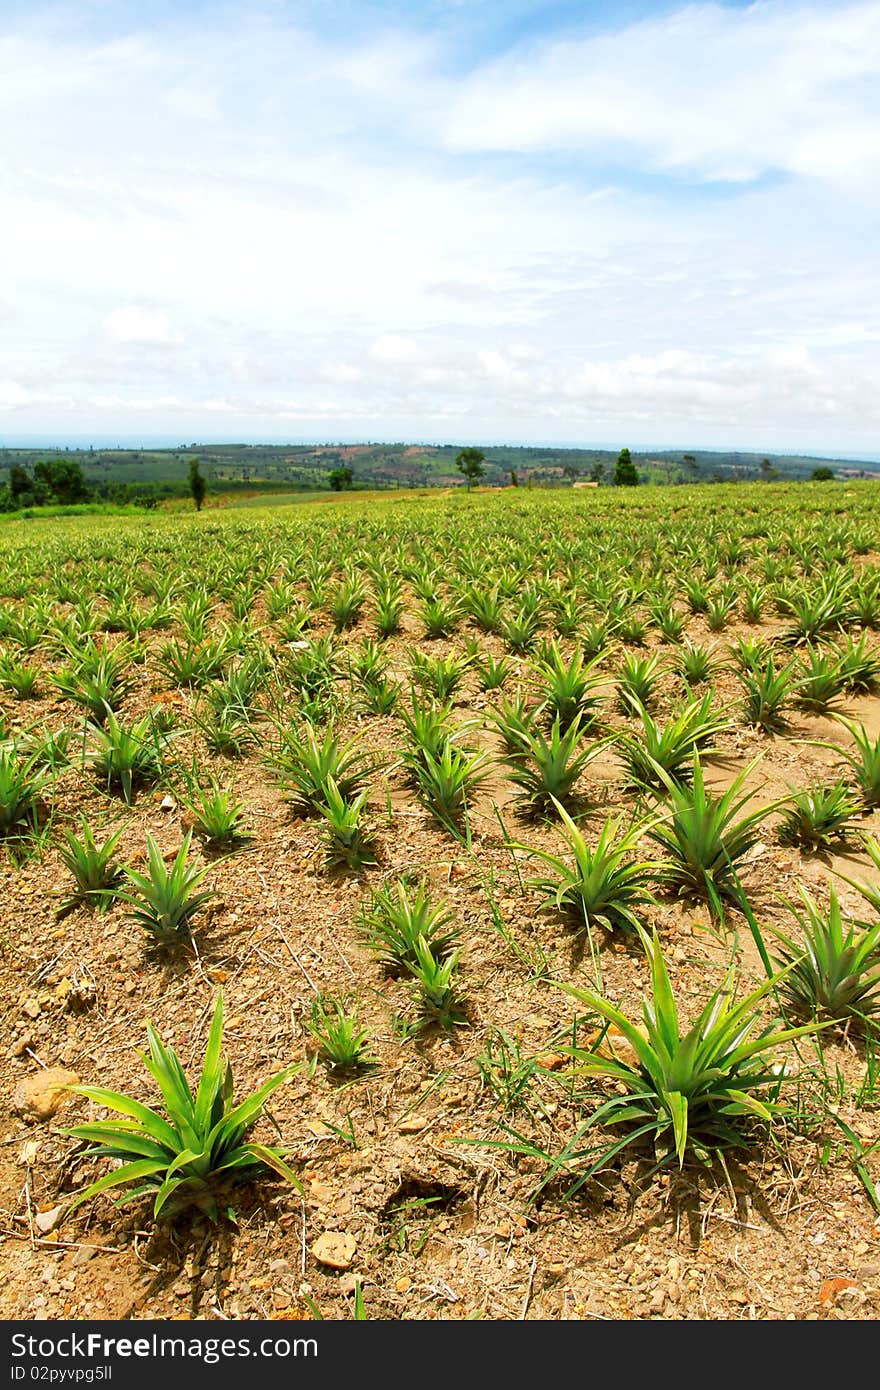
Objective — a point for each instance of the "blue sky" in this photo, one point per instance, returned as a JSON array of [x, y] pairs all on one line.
[[640, 223]]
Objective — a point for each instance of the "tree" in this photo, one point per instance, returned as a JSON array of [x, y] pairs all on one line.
[[597, 472], [197, 485], [514, 477], [21, 485], [340, 478], [822, 475], [470, 462], [63, 480], [768, 472], [625, 474]]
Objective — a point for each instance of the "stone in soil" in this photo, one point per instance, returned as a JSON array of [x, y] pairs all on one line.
[[40, 1095], [334, 1249]]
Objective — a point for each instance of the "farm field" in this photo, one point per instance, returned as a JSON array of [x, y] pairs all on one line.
[[416, 801]]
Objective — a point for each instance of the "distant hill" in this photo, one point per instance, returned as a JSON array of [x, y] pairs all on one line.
[[132, 473]]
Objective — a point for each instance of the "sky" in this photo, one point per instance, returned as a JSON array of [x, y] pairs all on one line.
[[471, 221]]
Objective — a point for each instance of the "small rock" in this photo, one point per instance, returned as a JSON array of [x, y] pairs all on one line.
[[29, 1153], [42, 1093], [413, 1124], [31, 1008], [335, 1249], [167, 803], [20, 1047], [658, 1299], [46, 1221], [85, 1253]]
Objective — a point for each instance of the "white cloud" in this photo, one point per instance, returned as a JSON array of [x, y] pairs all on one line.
[[393, 348], [711, 91], [131, 324]]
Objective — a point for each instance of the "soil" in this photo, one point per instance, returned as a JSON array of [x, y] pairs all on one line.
[[407, 1164]]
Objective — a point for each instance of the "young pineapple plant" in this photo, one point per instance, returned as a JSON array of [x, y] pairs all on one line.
[[94, 868], [864, 759], [696, 663], [719, 610], [305, 764], [859, 665], [833, 970], [568, 689], [22, 679], [217, 815], [596, 637], [493, 673], [348, 842], [751, 653], [165, 900], [483, 606], [445, 781], [706, 837], [754, 599], [606, 885], [768, 694], [436, 986], [669, 748], [337, 1034], [670, 623], [520, 629], [439, 617], [514, 719], [22, 783], [347, 604], [815, 816], [545, 768], [440, 675], [637, 679], [96, 680], [379, 695], [816, 611], [389, 609], [429, 728], [197, 1152], [398, 915], [820, 681], [690, 1091], [125, 758]]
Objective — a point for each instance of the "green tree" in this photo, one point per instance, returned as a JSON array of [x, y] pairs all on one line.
[[197, 485], [597, 472], [340, 479], [822, 475], [21, 485], [768, 472], [63, 480], [625, 474], [469, 462]]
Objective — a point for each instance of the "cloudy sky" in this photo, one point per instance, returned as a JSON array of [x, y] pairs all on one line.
[[468, 220]]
